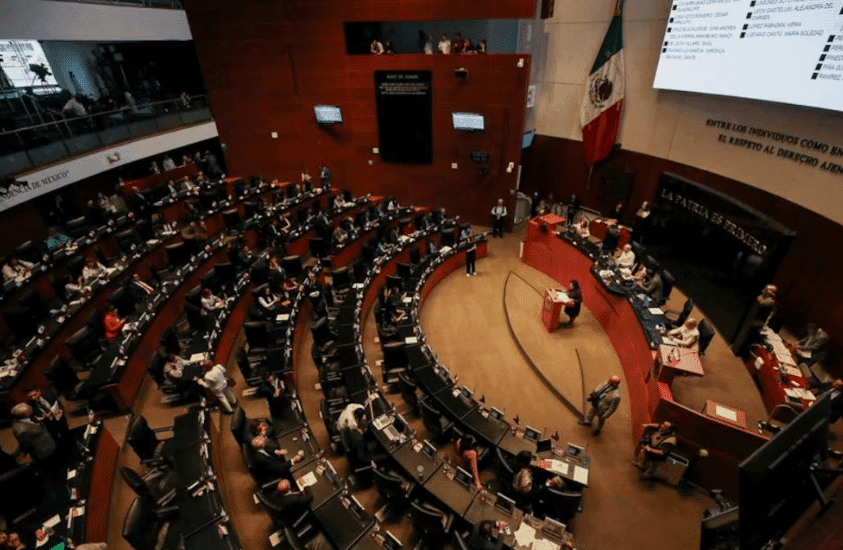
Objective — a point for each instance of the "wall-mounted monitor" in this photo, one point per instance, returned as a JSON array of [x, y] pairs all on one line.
[[469, 122], [328, 114]]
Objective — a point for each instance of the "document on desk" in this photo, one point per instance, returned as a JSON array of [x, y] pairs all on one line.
[[196, 357], [282, 317], [306, 480], [411, 340], [723, 412], [525, 535], [655, 311], [580, 475], [544, 544], [556, 466], [561, 296], [792, 371]]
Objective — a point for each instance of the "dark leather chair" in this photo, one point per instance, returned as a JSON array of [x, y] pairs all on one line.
[[561, 505], [84, 346], [341, 279], [157, 485], [669, 282], [194, 317], [431, 523], [503, 472], [392, 488], [239, 425], [678, 318], [146, 529], [409, 392], [438, 426], [63, 377], [706, 335], [194, 296], [210, 280], [145, 443]]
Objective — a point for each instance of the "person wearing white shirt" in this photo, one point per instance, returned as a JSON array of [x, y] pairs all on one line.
[[94, 270], [174, 369], [78, 286], [210, 303], [627, 257], [376, 47], [168, 163], [269, 301], [16, 269], [686, 336], [346, 420], [582, 230], [215, 380], [444, 44], [498, 218]]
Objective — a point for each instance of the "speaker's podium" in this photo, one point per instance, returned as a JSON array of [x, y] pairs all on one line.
[[554, 301], [541, 228]]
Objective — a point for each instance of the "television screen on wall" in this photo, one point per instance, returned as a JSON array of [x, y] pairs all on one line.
[[328, 114], [469, 122]]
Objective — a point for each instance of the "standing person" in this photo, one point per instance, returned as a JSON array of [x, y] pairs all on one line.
[[604, 400], [428, 45], [639, 225], [466, 449], [572, 210], [572, 308], [33, 437], [655, 448], [534, 204], [216, 381], [444, 44], [498, 218], [471, 258], [325, 176]]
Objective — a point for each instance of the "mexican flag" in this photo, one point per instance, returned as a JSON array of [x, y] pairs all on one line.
[[600, 114]]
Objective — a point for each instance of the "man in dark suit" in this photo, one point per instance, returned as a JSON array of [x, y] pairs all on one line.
[[362, 443], [292, 503], [273, 389], [33, 436], [47, 408], [653, 286], [270, 458], [138, 289]]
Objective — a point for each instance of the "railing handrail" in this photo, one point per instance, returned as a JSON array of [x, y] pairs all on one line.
[[175, 4], [88, 116]]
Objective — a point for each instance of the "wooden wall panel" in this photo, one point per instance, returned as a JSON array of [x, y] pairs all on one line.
[[809, 277], [267, 63]]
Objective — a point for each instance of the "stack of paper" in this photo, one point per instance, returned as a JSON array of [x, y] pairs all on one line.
[[306, 480], [525, 535], [580, 475]]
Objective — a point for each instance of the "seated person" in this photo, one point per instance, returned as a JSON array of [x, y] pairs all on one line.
[[172, 189], [259, 426], [627, 257], [195, 236], [339, 204], [652, 286], [275, 392], [362, 443], [17, 269], [582, 229], [338, 237], [655, 447], [425, 223], [466, 448], [392, 236], [210, 303], [94, 270], [813, 347], [610, 241], [138, 289], [349, 227], [241, 256], [270, 458], [686, 336], [292, 503], [269, 302], [55, 239], [77, 287], [113, 323], [522, 480], [174, 368], [483, 536]]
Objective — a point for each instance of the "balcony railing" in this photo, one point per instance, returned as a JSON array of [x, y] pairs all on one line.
[[23, 149], [143, 3]]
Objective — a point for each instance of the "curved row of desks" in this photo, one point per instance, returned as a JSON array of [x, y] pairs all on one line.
[[650, 400]]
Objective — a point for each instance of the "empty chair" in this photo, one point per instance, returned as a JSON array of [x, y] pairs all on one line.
[[392, 488], [169, 340], [257, 336], [669, 282], [561, 505], [652, 263], [145, 443], [318, 247], [145, 529], [239, 424], [126, 240], [123, 300], [409, 392], [156, 485], [359, 269], [177, 254], [225, 273], [404, 271], [36, 304], [210, 280], [706, 335], [250, 208], [292, 265], [432, 524], [84, 346], [415, 255], [438, 426], [678, 318], [341, 279], [259, 272], [20, 321], [232, 220], [77, 227], [638, 250], [194, 296], [62, 377], [503, 471], [194, 317], [28, 252]]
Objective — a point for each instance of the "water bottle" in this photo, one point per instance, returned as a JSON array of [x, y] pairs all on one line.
[[420, 471]]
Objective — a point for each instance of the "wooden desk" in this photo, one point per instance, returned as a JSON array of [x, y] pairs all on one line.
[[725, 413], [668, 365]]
